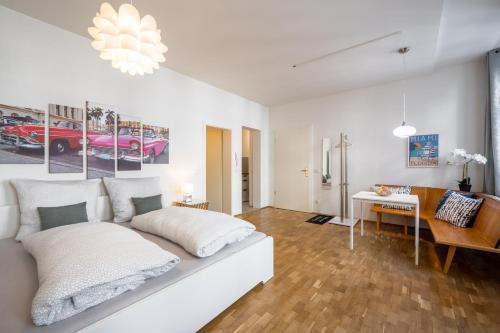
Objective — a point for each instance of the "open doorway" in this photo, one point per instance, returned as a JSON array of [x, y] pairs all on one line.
[[218, 169], [250, 170]]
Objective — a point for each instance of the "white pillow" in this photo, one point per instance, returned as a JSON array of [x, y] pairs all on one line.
[[32, 194], [122, 190]]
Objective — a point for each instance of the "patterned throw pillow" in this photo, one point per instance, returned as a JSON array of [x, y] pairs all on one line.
[[399, 190], [458, 210], [447, 194]]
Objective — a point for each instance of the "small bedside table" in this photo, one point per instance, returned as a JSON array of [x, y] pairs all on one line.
[[200, 204]]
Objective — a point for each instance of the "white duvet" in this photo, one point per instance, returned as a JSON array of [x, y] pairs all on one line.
[[200, 232], [84, 264]]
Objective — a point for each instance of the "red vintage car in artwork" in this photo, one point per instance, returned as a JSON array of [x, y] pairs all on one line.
[[129, 145], [63, 136]]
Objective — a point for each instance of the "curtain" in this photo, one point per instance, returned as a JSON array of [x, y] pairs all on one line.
[[492, 125]]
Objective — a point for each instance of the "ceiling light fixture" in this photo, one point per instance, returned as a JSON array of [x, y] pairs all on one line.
[[132, 44], [404, 130]]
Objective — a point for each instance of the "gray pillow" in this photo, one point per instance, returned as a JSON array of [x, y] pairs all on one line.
[[122, 190], [147, 204], [51, 217], [32, 194]]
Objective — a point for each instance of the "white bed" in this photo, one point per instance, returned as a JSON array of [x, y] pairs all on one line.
[[185, 305]]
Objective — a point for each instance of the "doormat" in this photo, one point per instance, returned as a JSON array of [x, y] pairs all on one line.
[[320, 219]]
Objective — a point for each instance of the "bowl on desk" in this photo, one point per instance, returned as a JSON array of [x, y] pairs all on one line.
[[383, 191]]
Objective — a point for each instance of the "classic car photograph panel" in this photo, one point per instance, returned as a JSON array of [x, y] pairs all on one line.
[[128, 143], [65, 139], [101, 124], [22, 135], [155, 144]]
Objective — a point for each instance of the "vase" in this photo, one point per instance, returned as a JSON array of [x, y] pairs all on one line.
[[464, 187]]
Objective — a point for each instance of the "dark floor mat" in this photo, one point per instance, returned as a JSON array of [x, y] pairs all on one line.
[[320, 219]]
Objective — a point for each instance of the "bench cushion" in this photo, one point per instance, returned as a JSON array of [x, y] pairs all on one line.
[[448, 234]]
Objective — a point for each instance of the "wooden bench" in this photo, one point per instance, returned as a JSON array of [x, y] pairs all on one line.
[[483, 235]]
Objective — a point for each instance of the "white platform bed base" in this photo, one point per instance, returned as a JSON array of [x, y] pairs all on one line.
[[187, 305], [191, 303]]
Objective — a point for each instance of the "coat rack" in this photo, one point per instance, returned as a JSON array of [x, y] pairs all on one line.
[[344, 184]]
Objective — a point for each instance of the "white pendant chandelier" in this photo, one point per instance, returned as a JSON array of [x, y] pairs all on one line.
[[404, 130], [132, 44]]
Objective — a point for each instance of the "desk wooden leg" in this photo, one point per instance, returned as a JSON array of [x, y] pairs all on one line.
[[379, 220], [449, 258]]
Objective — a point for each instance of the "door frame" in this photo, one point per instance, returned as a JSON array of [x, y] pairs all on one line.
[[227, 171]]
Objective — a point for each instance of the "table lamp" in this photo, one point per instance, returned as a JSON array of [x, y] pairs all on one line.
[[187, 192]]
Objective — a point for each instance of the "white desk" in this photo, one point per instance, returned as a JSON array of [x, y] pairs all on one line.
[[372, 197]]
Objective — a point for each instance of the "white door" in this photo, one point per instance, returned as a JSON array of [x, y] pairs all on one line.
[[292, 168], [218, 169]]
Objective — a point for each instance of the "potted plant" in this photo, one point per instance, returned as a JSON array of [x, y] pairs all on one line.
[[461, 157]]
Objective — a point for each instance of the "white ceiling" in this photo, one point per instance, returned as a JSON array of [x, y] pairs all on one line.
[[248, 47]]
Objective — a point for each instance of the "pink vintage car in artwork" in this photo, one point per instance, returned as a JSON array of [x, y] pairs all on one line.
[[101, 146], [154, 145], [129, 146]]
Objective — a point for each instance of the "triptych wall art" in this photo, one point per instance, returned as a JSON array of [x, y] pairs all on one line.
[[113, 141]]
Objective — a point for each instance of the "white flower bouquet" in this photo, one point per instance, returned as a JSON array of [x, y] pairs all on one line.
[[461, 157]]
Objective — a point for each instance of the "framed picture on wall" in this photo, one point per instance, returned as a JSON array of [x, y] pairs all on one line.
[[128, 143], [101, 138], [156, 144], [423, 151], [65, 139], [22, 135]]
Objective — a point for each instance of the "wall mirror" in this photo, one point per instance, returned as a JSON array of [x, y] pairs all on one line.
[[326, 169]]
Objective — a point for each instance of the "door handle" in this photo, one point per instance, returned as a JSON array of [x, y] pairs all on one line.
[[305, 171]]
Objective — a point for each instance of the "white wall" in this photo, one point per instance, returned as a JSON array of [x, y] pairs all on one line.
[[450, 102], [41, 64]]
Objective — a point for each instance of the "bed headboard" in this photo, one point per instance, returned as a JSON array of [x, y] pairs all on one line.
[[9, 216]]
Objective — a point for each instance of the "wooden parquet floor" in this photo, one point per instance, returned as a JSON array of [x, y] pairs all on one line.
[[319, 285]]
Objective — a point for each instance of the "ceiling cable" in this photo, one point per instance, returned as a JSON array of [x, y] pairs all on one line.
[[403, 51], [347, 49]]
